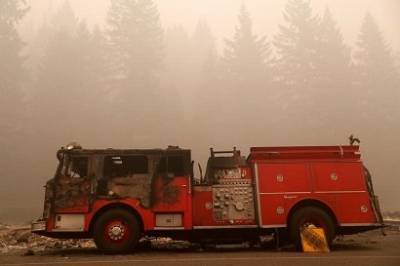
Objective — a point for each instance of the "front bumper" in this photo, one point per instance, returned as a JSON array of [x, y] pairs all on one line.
[[38, 226]]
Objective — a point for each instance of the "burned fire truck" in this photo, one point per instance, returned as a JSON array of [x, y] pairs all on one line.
[[117, 197]]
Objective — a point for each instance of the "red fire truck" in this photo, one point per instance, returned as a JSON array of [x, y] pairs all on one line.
[[118, 196]]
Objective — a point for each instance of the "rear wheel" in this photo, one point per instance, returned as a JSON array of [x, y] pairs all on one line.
[[116, 231], [311, 216]]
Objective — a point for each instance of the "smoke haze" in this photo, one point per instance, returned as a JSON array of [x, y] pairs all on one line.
[[198, 74]]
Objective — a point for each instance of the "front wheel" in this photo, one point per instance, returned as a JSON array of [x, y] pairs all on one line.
[[311, 216], [116, 231]]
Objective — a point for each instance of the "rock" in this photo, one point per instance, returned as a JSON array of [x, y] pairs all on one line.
[[23, 237], [58, 245], [86, 244], [16, 247], [39, 249]]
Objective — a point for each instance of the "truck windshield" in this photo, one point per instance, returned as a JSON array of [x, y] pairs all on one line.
[[74, 166]]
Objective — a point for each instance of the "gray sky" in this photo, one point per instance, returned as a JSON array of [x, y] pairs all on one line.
[[222, 14]]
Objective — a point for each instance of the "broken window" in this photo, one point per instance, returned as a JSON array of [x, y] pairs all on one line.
[[126, 176], [72, 187], [75, 166], [173, 165], [118, 166]]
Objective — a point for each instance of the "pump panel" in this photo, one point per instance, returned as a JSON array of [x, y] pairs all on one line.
[[233, 202]]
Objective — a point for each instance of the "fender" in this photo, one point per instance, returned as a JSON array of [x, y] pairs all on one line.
[[311, 201], [145, 216]]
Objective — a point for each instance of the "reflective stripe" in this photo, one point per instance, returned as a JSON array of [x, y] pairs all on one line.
[[224, 226], [308, 192], [283, 193], [274, 226], [343, 191], [67, 230], [168, 228], [360, 224]]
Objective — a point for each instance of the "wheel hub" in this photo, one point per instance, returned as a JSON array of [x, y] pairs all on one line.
[[116, 232]]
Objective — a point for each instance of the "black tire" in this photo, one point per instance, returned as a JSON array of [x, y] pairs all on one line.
[[311, 215], [116, 231]]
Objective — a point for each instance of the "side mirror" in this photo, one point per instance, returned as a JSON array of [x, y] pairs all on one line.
[[201, 172]]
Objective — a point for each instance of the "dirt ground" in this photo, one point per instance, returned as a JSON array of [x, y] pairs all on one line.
[[370, 248]]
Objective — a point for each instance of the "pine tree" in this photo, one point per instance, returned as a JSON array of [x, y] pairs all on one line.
[[204, 58], [376, 76], [377, 103], [99, 55], [332, 76], [245, 78], [13, 76], [12, 71], [245, 65], [296, 45], [186, 56], [206, 84], [184, 62], [375, 65], [63, 78], [136, 36], [246, 55], [175, 82], [202, 45], [136, 42], [333, 65]]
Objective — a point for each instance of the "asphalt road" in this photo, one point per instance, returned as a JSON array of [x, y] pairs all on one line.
[[363, 249]]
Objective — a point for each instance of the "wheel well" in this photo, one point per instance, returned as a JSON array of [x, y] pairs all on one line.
[[115, 206], [314, 203]]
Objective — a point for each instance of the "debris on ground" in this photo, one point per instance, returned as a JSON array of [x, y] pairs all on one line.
[[163, 243], [3, 226], [19, 239]]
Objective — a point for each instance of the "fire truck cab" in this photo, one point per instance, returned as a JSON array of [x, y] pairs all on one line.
[[118, 196]]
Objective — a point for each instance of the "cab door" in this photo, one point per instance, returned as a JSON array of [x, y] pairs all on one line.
[[171, 192], [73, 185]]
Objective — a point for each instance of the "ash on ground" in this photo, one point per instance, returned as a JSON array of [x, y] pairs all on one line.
[[19, 239], [16, 239]]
